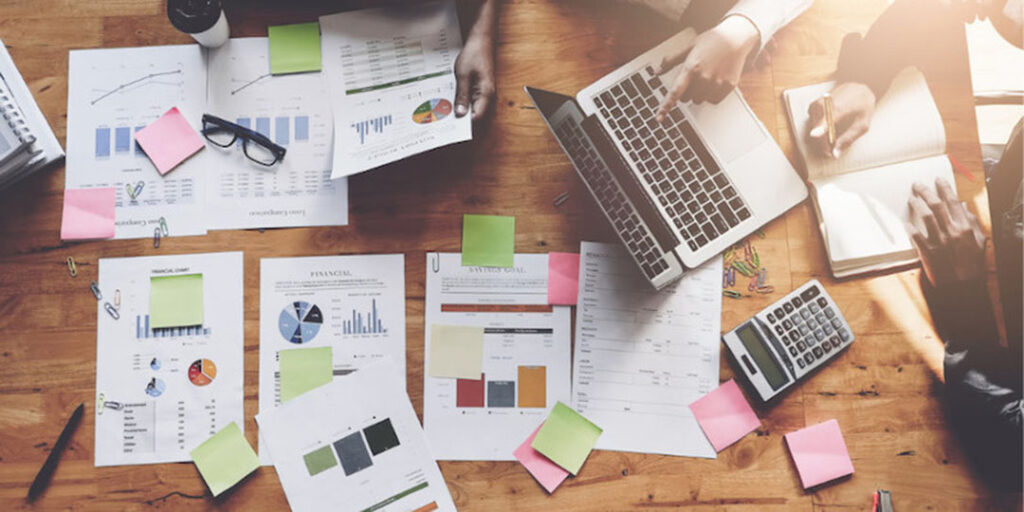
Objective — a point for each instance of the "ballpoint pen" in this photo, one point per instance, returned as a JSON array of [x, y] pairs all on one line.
[[43, 477], [830, 122]]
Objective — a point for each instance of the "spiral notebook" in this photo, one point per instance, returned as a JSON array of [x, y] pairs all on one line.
[[26, 141], [861, 197]]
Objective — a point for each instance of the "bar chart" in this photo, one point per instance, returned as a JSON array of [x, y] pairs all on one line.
[[368, 323], [530, 387], [284, 127], [376, 124], [144, 331], [122, 138]]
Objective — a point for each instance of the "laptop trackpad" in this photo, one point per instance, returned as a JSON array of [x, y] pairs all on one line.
[[729, 127]]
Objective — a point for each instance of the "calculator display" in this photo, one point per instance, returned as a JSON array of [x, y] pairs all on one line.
[[757, 350]]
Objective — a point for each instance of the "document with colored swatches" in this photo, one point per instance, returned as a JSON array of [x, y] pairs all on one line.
[[643, 356], [391, 75], [354, 305], [524, 367], [169, 367], [355, 444]]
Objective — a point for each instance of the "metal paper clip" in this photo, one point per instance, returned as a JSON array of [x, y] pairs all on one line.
[[117, 299], [96, 290], [112, 311], [117, 406], [156, 238], [163, 227], [435, 263], [72, 268], [563, 197], [764, 290], [138, 189]]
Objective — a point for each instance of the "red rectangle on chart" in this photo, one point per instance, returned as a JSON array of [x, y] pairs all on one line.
[[469, 393]]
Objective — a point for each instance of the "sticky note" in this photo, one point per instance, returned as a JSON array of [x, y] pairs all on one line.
[[724, 415], [303, 369], [488, 240], [819, 453], [456, 351], [176, 301], [294, 48], [225, 459], [168, 141], [548, 474], [88, 214], [563, 278], [566, 438]]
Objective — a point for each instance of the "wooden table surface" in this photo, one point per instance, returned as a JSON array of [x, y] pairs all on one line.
[[885, 390]]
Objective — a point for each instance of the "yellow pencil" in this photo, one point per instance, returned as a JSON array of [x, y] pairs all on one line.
[[829, 119]]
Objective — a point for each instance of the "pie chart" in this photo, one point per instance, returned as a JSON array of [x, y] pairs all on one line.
[[431, 111], [202, 372], [155, 387], [300, 321]]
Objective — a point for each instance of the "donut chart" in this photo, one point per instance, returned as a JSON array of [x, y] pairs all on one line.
[[432, 111], [155, 387], [300, 322], [202, 372]]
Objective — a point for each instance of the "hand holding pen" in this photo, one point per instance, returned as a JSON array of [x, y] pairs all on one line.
[[840, 117]]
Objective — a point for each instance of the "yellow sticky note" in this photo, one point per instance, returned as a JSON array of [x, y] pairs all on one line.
[[294, 48], [303, 369], [176, 301], [225, 459], [456, 351]]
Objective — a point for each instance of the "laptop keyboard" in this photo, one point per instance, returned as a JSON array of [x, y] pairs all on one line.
[[625, 219], [698, 196]]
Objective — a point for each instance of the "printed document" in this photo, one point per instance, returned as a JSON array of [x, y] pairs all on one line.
[[353, 304], [354, 444], [642, 356], [391, 75], [526, 356], [160, 392], [114, 93]]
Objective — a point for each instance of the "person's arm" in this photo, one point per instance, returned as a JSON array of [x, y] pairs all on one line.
[[714, 63], [474, 68]]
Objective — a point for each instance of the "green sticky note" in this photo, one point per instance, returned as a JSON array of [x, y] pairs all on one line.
[[319, 460], [176, 301], [294, 48], [303, 369], [488, 240], [456, 351], [566, 438], [225, 459]]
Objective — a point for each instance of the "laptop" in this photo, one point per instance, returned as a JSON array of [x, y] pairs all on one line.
[[680, 192]]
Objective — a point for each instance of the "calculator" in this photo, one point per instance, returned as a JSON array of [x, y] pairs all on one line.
[[789, 339]]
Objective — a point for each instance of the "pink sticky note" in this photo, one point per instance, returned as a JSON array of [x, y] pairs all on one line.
[[724, 415], [88, 214], [563, 278], [819, 453], [168, 141], [548, 474]]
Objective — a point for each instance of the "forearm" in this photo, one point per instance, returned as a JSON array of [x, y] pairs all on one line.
[[769, 16], [483, 28]]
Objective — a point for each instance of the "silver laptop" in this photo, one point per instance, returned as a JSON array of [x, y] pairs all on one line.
[[678, 192]]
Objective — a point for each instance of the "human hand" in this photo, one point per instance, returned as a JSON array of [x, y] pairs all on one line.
[[712, 66], [947, 236], [853, 104], [474, 75]]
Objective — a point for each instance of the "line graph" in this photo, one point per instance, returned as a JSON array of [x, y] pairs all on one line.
[[247, 84], [127, 85]]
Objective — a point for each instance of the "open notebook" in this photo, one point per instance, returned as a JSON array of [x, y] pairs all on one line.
[[861, 197]]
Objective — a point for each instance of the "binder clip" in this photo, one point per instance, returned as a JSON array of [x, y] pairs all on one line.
[[112, 311], [72, 268], [156, 238], [96, 290]]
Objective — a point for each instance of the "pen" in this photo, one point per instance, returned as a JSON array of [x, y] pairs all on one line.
[[43, 477], [830, 122]]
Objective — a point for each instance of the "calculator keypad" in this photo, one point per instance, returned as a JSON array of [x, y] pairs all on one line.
[[809, 326]]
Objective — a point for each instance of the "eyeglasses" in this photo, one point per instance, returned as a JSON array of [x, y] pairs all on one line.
[[256, 146]]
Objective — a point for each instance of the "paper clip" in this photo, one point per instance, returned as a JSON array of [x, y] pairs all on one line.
[[96, 290], [763, 277], [725, 279], [72, 268], [117, 406], [753, 283], [756, 259], [131, 192], [761, 234], [117, 299], [163, 227], [764, 290], [112, 311], [732, 277], [156, 238], [138, 189], [563, 197], [435, 263], [732, 294]]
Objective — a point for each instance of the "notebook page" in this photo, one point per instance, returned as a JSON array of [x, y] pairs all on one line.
[[905, 126], [865, 213]]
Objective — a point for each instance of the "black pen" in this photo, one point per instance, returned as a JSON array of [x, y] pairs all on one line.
[[43, 477]]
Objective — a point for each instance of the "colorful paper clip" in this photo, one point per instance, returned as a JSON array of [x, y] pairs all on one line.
[[163, 227], [72, 268], [95, 290], [138, 189], [112, 311], [156, 238], [117, 299], [732, 294], [131, 191]]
